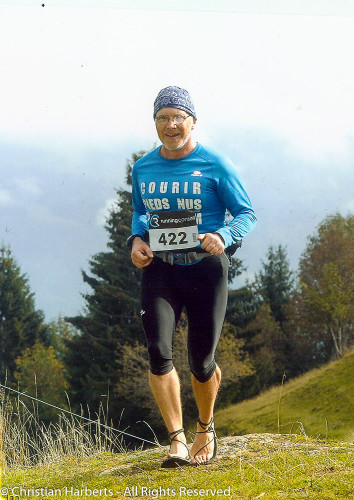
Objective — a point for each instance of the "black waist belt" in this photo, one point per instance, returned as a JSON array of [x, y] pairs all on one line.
[[181, 258]]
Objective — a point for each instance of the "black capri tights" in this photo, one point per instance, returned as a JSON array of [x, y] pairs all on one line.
[[202, 289]]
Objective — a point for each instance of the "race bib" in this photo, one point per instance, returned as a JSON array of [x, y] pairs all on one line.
[[172, 230]]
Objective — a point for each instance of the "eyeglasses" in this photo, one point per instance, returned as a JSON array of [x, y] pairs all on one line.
[[164, 119]]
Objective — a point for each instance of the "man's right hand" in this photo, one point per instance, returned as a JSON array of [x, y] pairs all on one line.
[[141, 253]]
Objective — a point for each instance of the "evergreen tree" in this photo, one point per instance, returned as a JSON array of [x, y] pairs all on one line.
[[275, 283], [260, 312], [243, 304], [21, 325], [268, 355]]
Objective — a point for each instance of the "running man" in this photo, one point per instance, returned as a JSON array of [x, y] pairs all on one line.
[[181, 192]]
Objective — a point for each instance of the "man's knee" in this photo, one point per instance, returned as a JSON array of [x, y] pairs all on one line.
[[160, 359], [203, 372]]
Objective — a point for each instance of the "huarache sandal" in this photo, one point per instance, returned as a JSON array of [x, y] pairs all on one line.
[[209, 427], [176, 460]]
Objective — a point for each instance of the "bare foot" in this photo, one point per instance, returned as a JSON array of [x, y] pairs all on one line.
[[178, 448], [203, 446]]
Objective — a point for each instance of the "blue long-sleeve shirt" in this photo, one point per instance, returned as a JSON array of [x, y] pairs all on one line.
[[204, 181]]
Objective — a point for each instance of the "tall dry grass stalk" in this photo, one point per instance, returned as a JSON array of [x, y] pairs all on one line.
[[26, 441], [279, 400]]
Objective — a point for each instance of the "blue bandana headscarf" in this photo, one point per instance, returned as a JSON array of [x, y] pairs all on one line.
[[174, 97]]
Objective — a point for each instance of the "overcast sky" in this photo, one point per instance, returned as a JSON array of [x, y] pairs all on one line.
[[273, 88]]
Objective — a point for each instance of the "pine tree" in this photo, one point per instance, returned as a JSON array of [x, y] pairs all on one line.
[[268, 354], [260, 312], [21, 325], [275, 283], [243, 304]]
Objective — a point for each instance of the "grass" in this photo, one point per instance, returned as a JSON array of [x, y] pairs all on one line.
[[318, 404], [260, 466], [309, 460], [26, 441]]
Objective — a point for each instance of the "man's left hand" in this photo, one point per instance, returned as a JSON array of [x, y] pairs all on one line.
[[212, 243]]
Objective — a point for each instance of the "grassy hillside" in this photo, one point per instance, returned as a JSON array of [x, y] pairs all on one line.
[[319, 403]]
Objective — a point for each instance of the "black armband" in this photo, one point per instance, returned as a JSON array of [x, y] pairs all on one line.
[[131, 239]]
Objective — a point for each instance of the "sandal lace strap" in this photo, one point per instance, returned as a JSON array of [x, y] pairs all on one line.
[[174, 434], [208, 427]]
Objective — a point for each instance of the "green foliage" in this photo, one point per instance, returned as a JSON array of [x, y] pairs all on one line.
[[324, 306], [40, 374], [235, 363], [268, 349], [60, 333], [242, 307], [21, 325], [274, 282], [260, 313]]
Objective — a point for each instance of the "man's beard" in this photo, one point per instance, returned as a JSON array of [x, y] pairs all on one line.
[[180, 146]]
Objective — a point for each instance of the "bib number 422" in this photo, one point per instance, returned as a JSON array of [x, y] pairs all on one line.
[[173, 238]]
